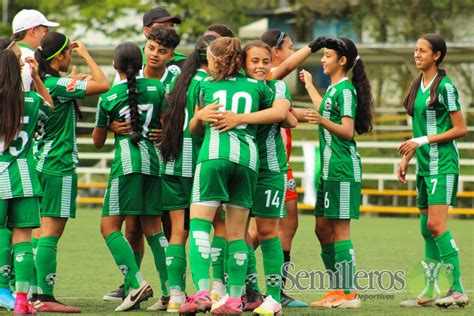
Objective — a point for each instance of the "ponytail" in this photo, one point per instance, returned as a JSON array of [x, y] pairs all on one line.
[[228, 57], [365, 101], [133, 104], [173, 119]]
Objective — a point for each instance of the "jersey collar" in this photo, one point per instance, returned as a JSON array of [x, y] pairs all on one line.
[[422, 86], [24, 45], [343, 79]]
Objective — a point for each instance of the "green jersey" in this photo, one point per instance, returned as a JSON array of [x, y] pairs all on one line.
[[340, 160], [239, 95], [18, 176], [185, 164], [271, 149], [113, 105], [436, 158], [56, 148], [166, 79]]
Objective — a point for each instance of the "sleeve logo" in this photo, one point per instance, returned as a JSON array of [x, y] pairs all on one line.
[[71, 86]]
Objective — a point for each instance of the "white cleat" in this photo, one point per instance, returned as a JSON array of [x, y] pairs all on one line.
[[269, 307], [452, 298], [135, 296]]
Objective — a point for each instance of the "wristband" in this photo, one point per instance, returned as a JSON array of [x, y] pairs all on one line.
[[423, 140]]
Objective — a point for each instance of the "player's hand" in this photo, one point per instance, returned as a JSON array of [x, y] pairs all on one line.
[[227, 121], [317, 43], [121, 128], [407, 147], [209, 113], [313, 117], [155, 135], [306, 77], [33, 66], [402, 170], [78, 76], [79, 48]]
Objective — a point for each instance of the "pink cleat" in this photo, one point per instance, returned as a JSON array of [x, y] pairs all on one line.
[[199, 303], [231, 307], [22, 306]]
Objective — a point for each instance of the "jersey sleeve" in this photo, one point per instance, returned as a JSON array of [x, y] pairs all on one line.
[[267, 96], [449, 97], [69, 88], [347, 103], [102, 118]]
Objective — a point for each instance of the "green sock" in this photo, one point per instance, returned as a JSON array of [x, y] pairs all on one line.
[[217, 258], [251, 280], [5, 258], [123, 256], [238, 260], [23, 254], [345, 265], [328, 254], [46, 264], [34, 280], [158, 244], [272, 262], [176, 265], [431, 248], [199, 253], [450, 256]]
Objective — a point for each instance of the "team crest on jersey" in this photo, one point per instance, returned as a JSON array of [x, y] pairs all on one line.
[[327, 104], [71, 86], [174, 69], [291, 184]]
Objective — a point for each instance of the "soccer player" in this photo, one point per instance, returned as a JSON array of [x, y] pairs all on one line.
[[284, 61], [432, 101], [19, 184], [345, 108], [226, 171], [179, 149], [134, 186], [29, 28], [56, 155], [158, 50]]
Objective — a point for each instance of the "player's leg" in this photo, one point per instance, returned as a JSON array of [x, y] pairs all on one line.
[[218, 248], [58, 204], [7, 300], [252, 297]]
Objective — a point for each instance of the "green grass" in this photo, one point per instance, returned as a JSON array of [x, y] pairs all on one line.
[[86, 269]]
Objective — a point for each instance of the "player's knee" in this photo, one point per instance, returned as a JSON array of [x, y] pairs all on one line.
[[435, 226], [323, 234], [265, 233]]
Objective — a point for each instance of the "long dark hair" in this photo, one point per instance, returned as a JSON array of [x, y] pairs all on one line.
[[128, 59], [221, 29], [52, 44], [438, 44], [363, 121], [173, 119], [11, 94], [228, 57], [274, 38]]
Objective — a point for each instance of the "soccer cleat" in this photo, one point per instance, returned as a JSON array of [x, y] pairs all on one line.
[[23, 307], [288, 301], [175, 302], [251, 300], [417, 303], [327, 299], [346, 301], [160, 305], [135, 296], [452, 298], [6, 299], [269, 307], [116, 295], [55, 307], [201, 302], [231, 307], [221, 301]]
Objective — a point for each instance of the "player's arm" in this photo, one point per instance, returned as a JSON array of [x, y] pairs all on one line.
[[209, 113], [291, 63], [99, 136], [345, 130], [291, 121], [307, 79], [38, 83], [458, 130], [403, 167]]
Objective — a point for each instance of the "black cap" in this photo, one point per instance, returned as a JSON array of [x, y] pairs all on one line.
[[160, 15]]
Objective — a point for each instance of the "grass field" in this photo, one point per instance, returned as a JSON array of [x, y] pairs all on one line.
[[86, 269]]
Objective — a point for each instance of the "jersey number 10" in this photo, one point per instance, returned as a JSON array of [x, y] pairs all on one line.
[[221, 96]]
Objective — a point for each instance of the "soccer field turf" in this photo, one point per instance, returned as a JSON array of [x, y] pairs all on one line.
[[86, 269]]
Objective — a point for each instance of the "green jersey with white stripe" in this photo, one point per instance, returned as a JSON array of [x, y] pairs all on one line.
[[436, 158], [113, 105], [271, 149], [18, 176], [340, 160], [239, 95], [185, 164], [56, 148]]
